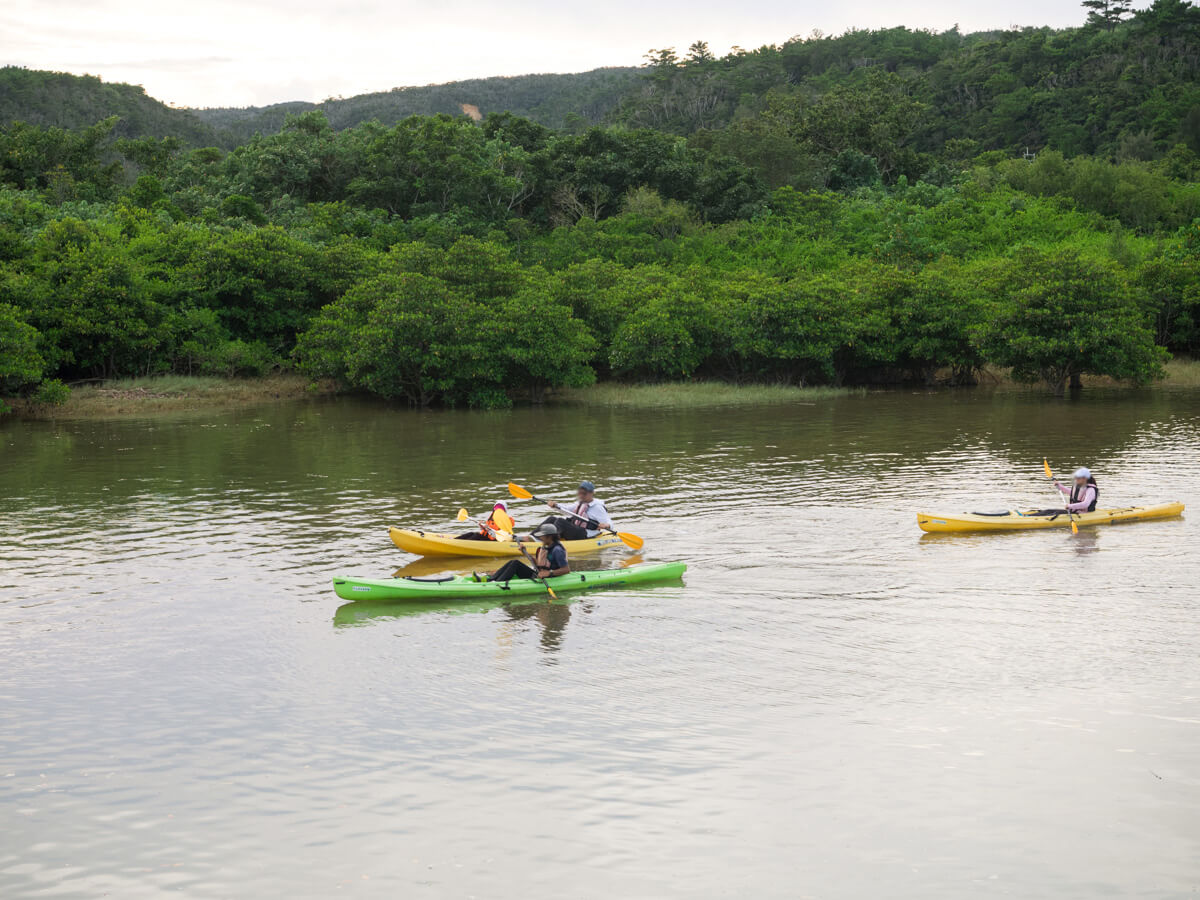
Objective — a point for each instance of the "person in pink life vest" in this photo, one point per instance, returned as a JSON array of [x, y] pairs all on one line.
[[1082, 493]]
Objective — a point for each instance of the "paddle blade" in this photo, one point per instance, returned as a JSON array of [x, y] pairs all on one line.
[[632, 541], [519, 492], [1046, 466], [1074, 527], [502, 536], [463, 515], [502, 519]]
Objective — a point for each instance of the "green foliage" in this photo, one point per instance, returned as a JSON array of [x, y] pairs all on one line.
[[52, 392], [456, 328], [1062, 316], [69, 165], [20, 362], [59, 100], [1171, 284], [1106, 14], [1133, 192], [436, 259], [852, 170], [876, 117]]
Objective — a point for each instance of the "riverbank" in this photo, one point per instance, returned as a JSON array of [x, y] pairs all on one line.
[[174, 393], [693, 395]]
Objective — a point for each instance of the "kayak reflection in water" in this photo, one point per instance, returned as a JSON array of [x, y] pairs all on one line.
[[1083, 492], [551, 559], [553, 617], [498, 520]]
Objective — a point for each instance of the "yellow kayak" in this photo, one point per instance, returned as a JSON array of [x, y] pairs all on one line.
[[1014, 520], [431, 543]]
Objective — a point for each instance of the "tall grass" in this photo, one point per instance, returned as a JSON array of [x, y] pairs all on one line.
[[170, 393], [1182, 372], [693, 395]]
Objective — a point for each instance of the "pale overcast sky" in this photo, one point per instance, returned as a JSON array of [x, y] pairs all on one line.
[[226, 53]]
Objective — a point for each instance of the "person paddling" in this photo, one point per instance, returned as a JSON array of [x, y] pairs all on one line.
[[1083, 492], [551, 559], [585, 518], [498, 520]]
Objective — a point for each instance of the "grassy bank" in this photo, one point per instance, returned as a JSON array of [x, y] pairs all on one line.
[[1182, 373], [171, 393], [693, 394]]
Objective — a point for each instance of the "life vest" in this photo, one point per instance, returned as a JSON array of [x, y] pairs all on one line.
[[1077, 493], [542, 557], [582, 509]]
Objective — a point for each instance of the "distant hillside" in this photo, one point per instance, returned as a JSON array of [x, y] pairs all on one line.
[[77, 101], [1122, 86], [548, 99], [1126, 86]]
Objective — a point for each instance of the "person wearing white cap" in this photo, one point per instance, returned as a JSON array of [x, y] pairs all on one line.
[[1082, 493]]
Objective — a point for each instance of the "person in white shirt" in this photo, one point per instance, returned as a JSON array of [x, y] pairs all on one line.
[[1083, 494], [585, 518]]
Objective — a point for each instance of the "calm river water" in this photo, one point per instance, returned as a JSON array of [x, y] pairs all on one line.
[[830, 706]]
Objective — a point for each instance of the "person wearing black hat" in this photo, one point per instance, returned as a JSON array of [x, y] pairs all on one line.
[[551, 559], [585, 518]]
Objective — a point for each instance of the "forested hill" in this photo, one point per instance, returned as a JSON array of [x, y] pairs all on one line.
[[557, 101], [57, 99], [1122, 85], [78, 101]]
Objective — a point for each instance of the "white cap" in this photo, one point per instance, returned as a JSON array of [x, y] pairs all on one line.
[[1083, 472]]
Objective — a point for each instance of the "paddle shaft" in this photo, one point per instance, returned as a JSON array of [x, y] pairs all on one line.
[[495, 533], [1058, 495], [628, 539], [591, 523]]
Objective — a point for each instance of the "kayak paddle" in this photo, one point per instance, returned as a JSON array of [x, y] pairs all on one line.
[[1070, 517], [464, 516], [504, 521], [630, 540], [534, 566]]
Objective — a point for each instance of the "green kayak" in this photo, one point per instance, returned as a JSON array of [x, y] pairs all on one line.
[[465, 587]]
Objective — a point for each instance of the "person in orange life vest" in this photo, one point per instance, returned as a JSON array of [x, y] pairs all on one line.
[[499, 519], [1083, 493], [585, 518]]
